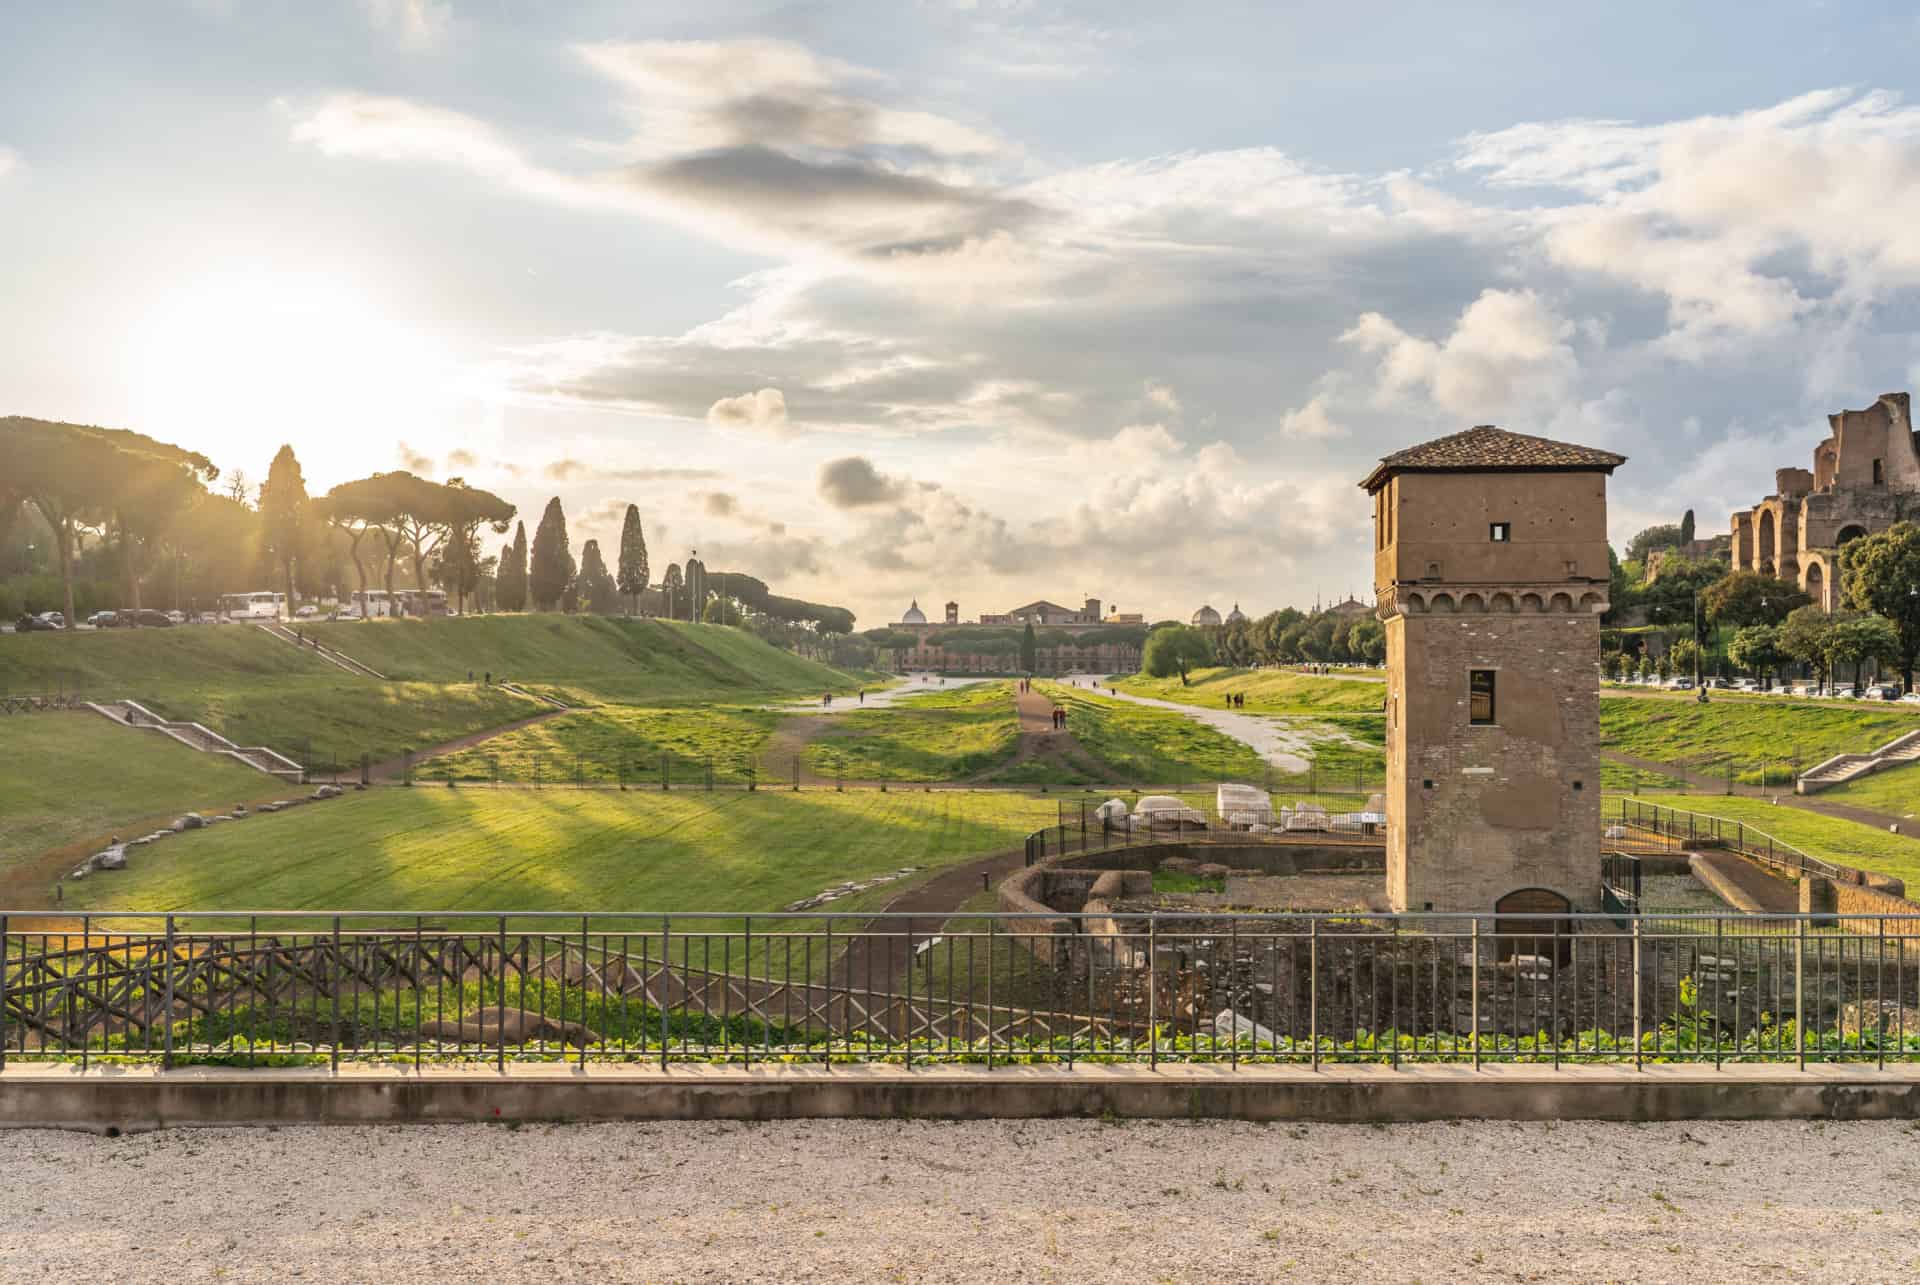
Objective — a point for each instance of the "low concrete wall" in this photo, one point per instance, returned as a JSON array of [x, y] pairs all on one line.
[[129, 1100]]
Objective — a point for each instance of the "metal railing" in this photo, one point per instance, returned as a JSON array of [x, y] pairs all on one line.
[[1680, 831], [1120, 986], [1091, 825]]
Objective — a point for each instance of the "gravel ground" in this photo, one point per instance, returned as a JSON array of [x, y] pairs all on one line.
[[1001, 1201]]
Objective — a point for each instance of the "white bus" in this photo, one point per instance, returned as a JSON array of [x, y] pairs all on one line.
[[259, 605], [371, 604]]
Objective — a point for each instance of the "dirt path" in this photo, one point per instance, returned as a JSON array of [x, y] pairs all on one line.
[[393, 769], [1039, 740], [1765, 893], [1787, 798], [878, 956]]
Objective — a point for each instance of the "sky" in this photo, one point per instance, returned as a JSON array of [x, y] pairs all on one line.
[[987, 300]]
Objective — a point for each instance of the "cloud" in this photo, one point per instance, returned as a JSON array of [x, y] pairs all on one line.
[[413, 461], [1507, 351], [720, 504], [461, 459], [572, 470], [1311, 420], [852, 482], [9, 161], [1163, 396], [413, 22], [765, 410]]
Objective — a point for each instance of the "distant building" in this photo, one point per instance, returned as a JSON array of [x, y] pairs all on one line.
[[1124, 618], [1351, 607], [1236, 616], [1206, 616], [1096, 648]]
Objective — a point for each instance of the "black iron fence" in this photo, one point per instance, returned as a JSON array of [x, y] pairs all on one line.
[[1677, 830], [1123, 986]]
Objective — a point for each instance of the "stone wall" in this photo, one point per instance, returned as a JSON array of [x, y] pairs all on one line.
[[1477, 812]]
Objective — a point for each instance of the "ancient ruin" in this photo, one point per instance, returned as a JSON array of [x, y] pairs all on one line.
[[1865, 478]]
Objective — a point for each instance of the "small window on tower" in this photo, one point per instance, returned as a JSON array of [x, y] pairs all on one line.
[[1879, 472], [1480, 697], [1500, 532]]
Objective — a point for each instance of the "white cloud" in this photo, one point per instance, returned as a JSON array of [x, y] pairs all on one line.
[[9, 161], [1507, 352], [1315, 419], [413, 22], [765, 410]]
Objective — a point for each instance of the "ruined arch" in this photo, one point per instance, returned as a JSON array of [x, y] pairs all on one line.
[[1501, 602], [1815, 583], [1473, 602], [1767, 549]]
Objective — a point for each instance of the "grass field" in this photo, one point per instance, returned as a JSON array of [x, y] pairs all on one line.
[[939, 736], [1138, 743], [1895, 791], [1755, 735], [1829, 838], [1268, 691], [588, 658], [614, 743], [433, 848], [75, 776]]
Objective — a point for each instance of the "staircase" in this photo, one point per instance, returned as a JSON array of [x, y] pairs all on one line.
[[518, 690], [338, 659], [1842, 768], [207, 741]]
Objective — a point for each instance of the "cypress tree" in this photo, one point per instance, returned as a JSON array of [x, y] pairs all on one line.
[[1686, 528], [597, 588], [1028, 649], [283, 515], [696, 588], [512, 592], [550, 569], [670, 589], [633, 559]]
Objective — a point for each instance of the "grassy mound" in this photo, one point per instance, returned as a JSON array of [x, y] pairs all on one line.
[[75, 776], [1829, 838], [1895, 791], [940, 736], [151, 662], [641, 662], [1753, 736], [1268, 691], [609, 744], [433, 848]]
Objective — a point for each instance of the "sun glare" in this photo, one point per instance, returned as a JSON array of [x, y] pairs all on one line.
[[242, 362]]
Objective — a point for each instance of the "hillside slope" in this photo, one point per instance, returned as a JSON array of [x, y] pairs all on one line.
[[592, 657]]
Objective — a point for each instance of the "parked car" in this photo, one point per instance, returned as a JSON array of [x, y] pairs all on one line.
[[307, 612], [104, 619], [148, 618], [177, 617], [1883, 692], [1912, 698], [55, 619], [34, 624]]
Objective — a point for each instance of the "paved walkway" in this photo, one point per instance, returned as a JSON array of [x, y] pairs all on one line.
[[1013, 1201], [1276, 738], [1759, 891]]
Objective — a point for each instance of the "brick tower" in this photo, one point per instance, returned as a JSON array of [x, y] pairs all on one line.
[[1491, 571]]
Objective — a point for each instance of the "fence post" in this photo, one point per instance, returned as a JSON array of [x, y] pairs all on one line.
[[1637, 1012], [666, 973], [166, 1057], [1473, 1004], [335, 987], [1800, 992], [664, 777], [1313, 990], [1153, 989], [3, 985], [500, 1049]]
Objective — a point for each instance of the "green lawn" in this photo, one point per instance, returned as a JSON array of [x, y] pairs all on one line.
[[433, 848], [142, 663], [612, 743], [1829, 838], [1755, 735], [940, 736], [342, 717], [1268, 691], [75, 776], [587, 658], [1895, 791], [1152, 746]]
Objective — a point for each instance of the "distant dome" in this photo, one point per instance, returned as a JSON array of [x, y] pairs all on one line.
[[1236, 615], [1206, 616], [914, 615]]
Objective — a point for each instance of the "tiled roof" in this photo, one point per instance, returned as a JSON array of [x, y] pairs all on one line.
[[1487, 448]]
